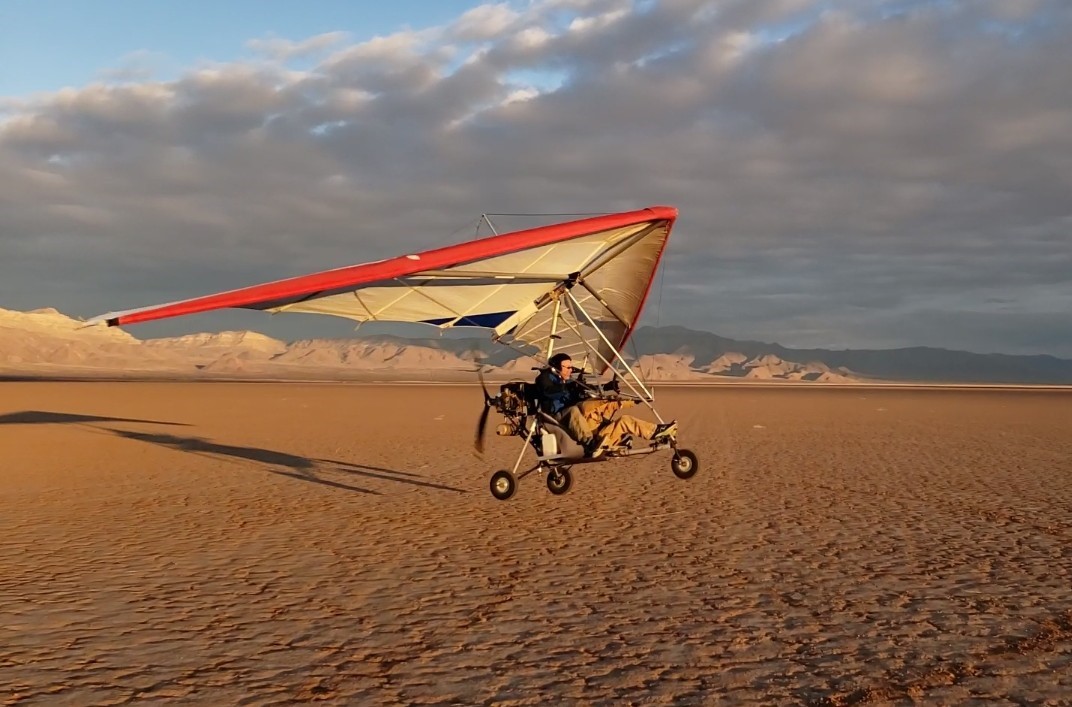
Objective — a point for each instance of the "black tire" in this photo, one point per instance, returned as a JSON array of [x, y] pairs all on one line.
[[684, 464], [503, 484], [559, 480]]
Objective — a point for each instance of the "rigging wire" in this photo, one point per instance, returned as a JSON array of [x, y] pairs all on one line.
[[486, 217], [449, 238]]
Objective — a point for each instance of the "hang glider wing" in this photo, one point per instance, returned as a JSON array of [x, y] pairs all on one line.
[[576, 287]]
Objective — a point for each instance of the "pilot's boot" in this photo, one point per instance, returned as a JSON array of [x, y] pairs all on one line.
[[665, 432]]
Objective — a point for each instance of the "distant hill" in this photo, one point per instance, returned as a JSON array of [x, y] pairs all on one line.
[[914, 364], [45, 343]]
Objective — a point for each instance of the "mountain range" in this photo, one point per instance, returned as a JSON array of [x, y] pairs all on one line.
[[45, 343]]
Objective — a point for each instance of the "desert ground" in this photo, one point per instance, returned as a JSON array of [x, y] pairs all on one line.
[[272, 543]]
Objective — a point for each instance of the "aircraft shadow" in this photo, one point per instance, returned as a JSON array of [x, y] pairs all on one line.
[[371, 471], [294, 466], [45, 417]]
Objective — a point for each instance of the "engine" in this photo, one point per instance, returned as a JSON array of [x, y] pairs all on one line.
[[514, 399]]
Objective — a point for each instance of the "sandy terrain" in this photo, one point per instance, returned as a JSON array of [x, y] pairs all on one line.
[[222, 543]]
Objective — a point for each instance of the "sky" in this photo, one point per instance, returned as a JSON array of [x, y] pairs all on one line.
[[849, 173]]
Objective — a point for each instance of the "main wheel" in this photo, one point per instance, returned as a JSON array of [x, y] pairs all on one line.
[[559, 480], [684, 464], [503, 485]]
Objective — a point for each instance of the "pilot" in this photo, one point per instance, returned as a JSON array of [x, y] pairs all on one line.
[[591, 422]]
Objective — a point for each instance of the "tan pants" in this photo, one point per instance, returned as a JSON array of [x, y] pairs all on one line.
[[575, 419], [596, 417], [612, 434]]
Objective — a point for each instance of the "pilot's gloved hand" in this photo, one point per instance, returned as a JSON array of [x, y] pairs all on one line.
[[613, 386]]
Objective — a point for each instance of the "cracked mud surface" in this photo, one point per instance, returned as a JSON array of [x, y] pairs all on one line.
[[274, 543]]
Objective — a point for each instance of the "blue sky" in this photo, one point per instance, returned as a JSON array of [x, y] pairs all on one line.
[[46, 46], [849, 173]]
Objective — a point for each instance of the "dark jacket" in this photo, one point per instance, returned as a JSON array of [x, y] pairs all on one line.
[[554, 393]]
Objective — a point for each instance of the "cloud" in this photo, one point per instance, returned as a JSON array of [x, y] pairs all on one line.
[[139, 66], [283, 50], [848, 173], [483, 23]]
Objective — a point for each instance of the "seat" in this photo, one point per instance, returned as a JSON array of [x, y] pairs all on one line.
[[567, 446]]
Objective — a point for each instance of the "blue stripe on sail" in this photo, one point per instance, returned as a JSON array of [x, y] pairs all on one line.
[[489, 320]]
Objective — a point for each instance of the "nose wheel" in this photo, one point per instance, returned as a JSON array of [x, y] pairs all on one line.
[[684, 464]]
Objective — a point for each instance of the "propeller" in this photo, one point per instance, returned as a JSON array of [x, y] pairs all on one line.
[[489, 403]]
